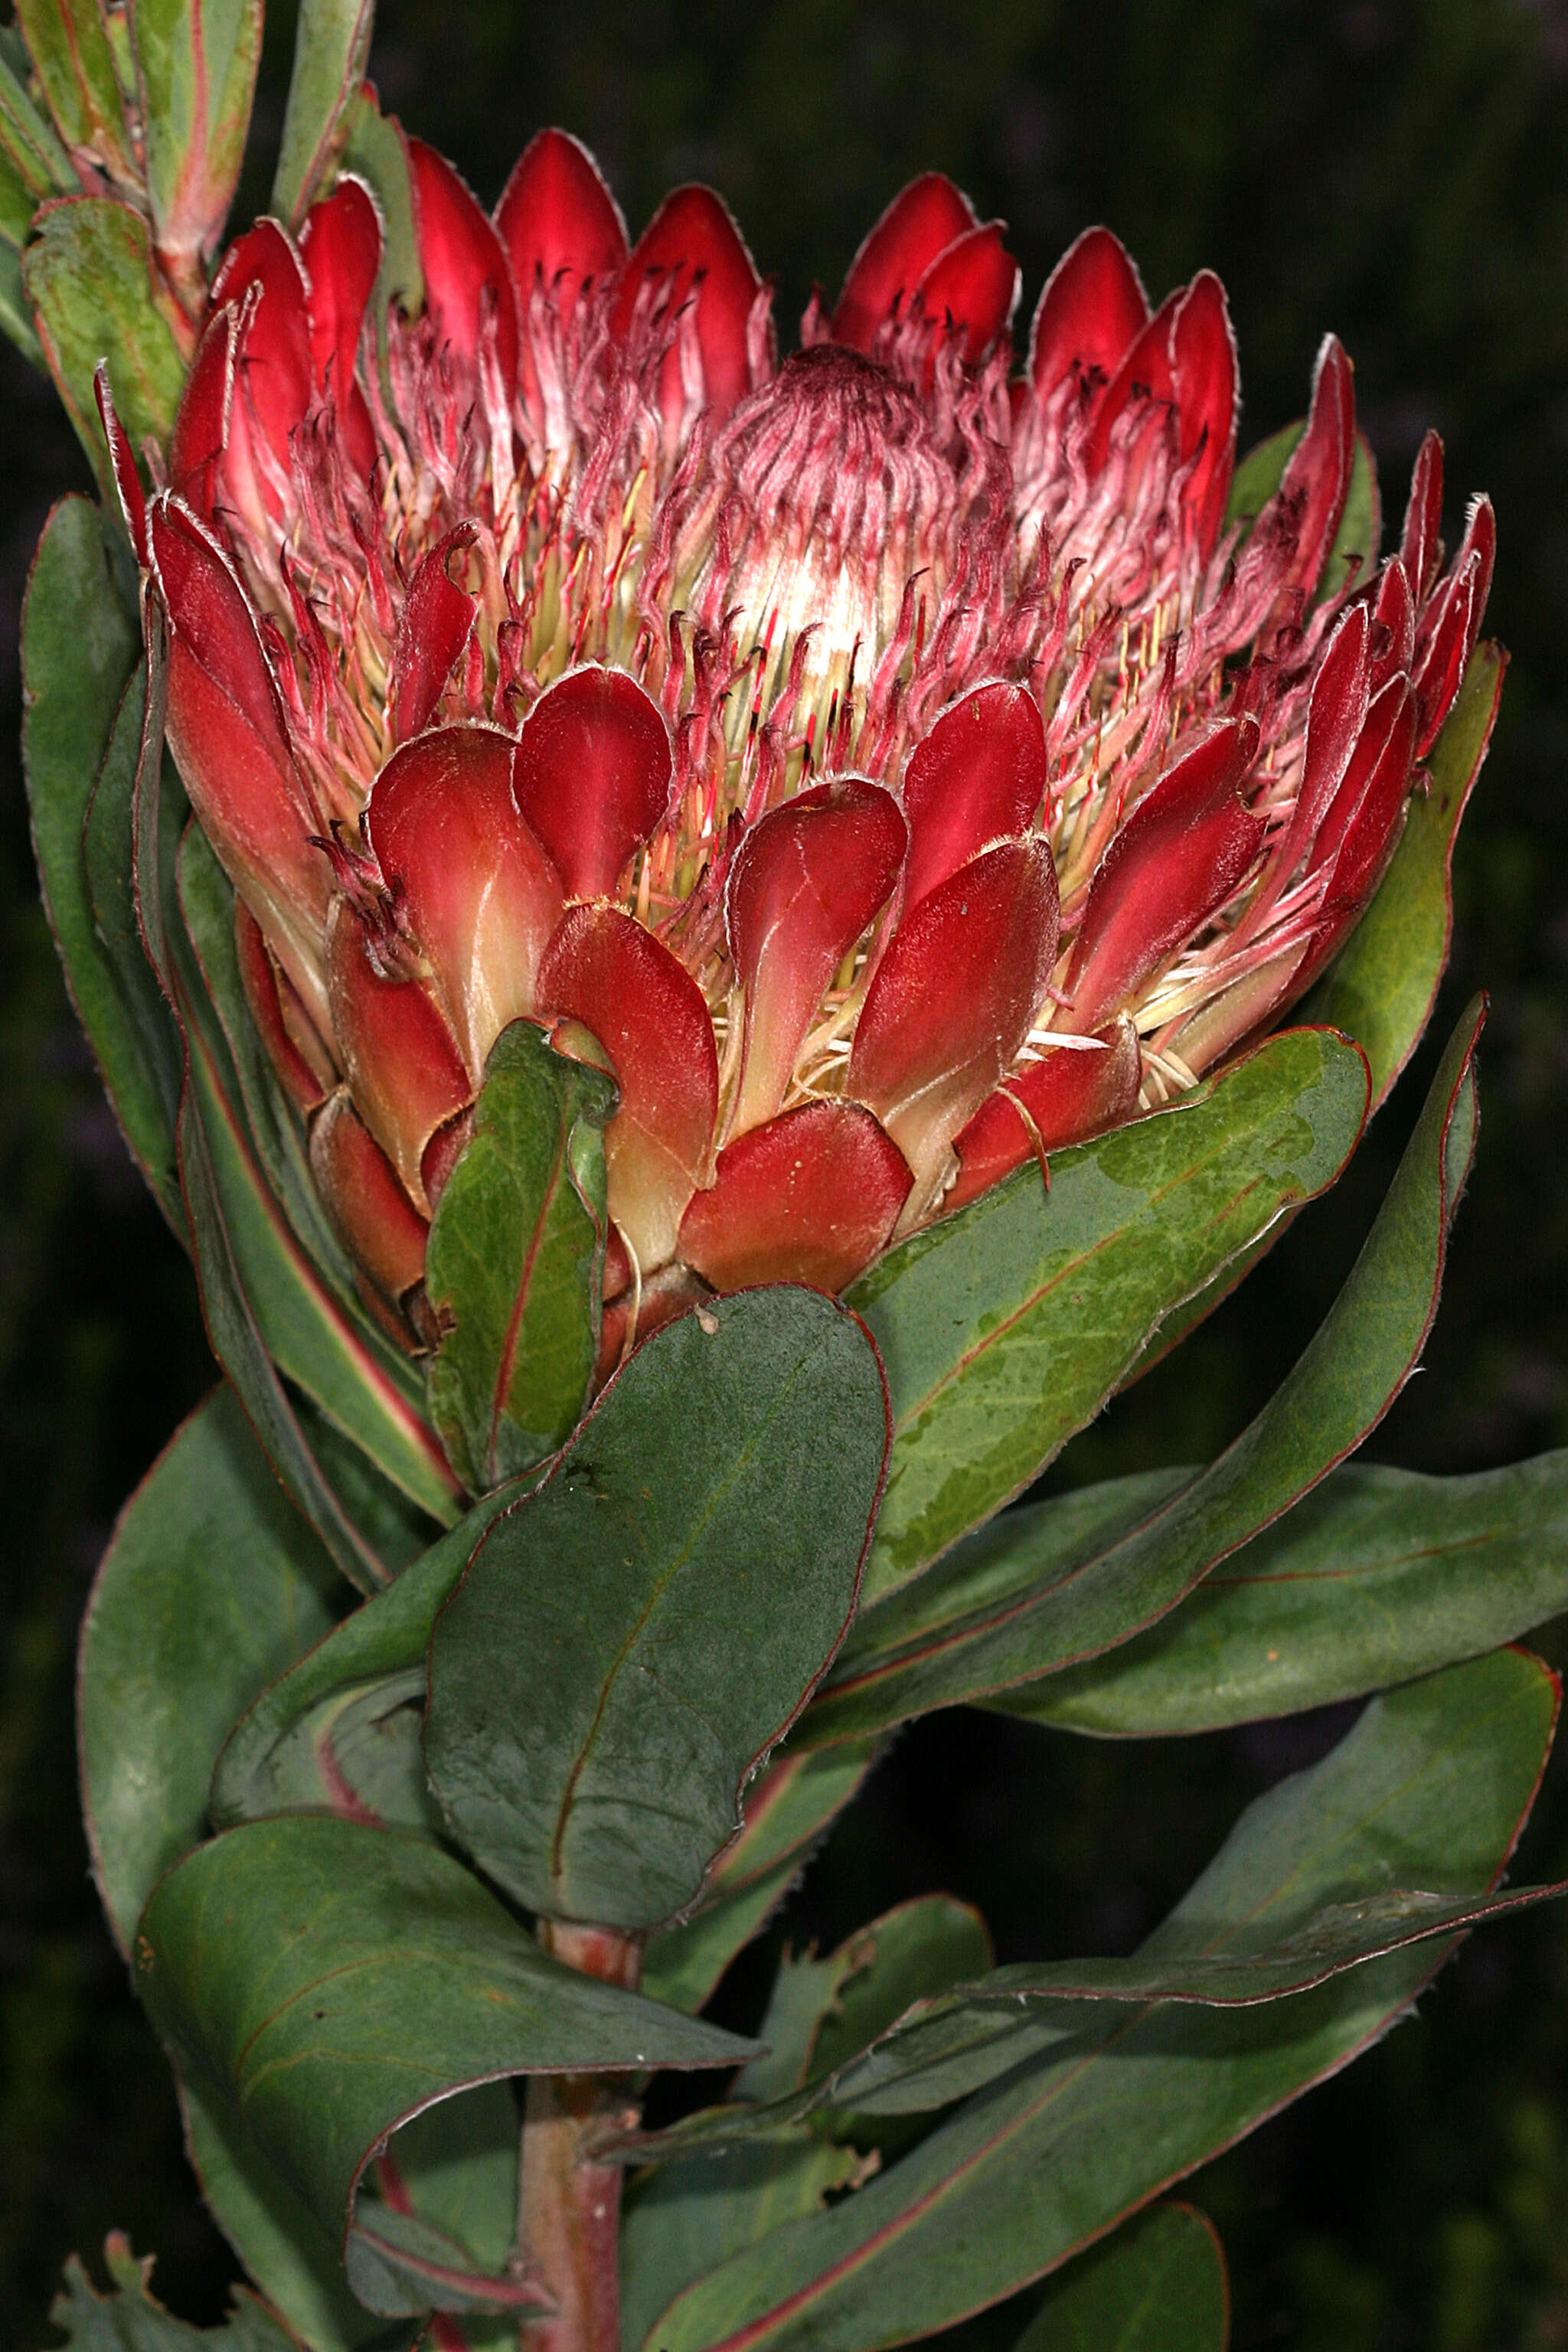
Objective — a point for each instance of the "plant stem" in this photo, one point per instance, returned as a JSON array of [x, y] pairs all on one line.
[[569, 2209]]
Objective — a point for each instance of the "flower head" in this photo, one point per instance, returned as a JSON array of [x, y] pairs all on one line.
[[890, 765]]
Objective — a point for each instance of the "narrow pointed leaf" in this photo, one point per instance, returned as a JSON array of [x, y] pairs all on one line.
[[968, 1627], [375, 149], [211, 1584], [195, 62], [88, 275], [1158, 2285], [69, 44], [332, 42], [515, 1260], [630, 1640]]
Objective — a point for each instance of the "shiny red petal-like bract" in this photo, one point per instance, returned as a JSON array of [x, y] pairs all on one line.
[[1420, 546], [468, 276], [472, 884], [297, 1055], [397, 1052], [432, 633], [373, 1216], [806, 880], [953, 999], [592, 776], [971, 287], [558, 221], [1317, 480], [340, 245], [980, 774], [274, 358], [1181, 854], [1091, 312], [810, 1197], [692, 250], [1065, 1098], [651, 1020], [919, 226]]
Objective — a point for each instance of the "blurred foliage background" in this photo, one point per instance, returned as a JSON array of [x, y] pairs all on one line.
[[1397, 173]]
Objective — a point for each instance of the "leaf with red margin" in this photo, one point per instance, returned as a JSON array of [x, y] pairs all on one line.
[[1112, 2104], [331, 43], [87, 274], [631, 1639], [1004, 1327], [1008, 1605], [1159, 2284]]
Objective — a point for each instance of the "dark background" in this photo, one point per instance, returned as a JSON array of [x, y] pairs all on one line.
[[1399, 173]]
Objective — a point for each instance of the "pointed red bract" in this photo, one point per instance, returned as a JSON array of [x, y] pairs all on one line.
[[398, 1054], [1369, 809], [652, 1021], [340, 245], [1182, 853], [477, 892], [1206, 379], [376, 1221], [432, 633], [467, 277], [692, 250], [806, 881], [303, 1065], [921, 223], [1421, 546], [1335, 717], [979, 774], [1318, 478], [261, 275], [1065, 1098], [1383, 718], [1441, 670], [1394, 624], [558, 220], [122, 463], [1091, 312], [953, 1000], [972, 288], [201, 429], [592, 776], [812, 1197]]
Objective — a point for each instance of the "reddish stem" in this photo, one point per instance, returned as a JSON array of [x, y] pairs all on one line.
[[569, 2208]]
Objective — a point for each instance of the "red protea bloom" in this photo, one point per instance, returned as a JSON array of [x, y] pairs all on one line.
[[891, 768]]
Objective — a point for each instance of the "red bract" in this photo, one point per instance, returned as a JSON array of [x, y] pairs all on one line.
[[890, 769]]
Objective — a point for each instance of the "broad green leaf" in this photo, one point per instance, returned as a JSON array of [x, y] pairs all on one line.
[[1041, 1588], [1158, 2285], [80, 645], [129, 2318], [451, 2176], [195, 62], [375, 149], [68, 42], [331, 1982], [332, 42], [515, 1260], [1431, 1789], [630, 1640], [88, 275], [685, 1962], [211, 1585], [1004, 1327], [1381, 1576], [1360, 534], [272, 1762], [686, 2216], [1382, 986]]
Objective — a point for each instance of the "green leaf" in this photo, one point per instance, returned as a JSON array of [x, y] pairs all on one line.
[[195, 62], [1004, 1327], [1044, 1587], [1360, 534], [1158, 2285], [16, 311], [69, 44], [331, 1982], [282, 1756], [1380, 988], [375, 149], [1431, 1788], [211, 1585], [37, 165], [80, 645], [685, 2217], [88, 275], [630, 1640], [1381, 1576], [514, 1262], [331, 43], [129, 2318]]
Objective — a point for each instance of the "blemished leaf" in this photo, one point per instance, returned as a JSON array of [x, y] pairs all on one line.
[[1043, 1587], [1004, 1327], [686, 2216], [1381, 1576], [1432, 1786], [211, 1585], [332, 42], [1158, 2285], [129, 2318], [273, 1763], [80, 640], [68, 42], [1383, 984], [514, 1262], [372, 1977], [195, 62], [631, 1639], [88, 275]]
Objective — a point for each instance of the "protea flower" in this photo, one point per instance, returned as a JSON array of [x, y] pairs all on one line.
[[890, 766]]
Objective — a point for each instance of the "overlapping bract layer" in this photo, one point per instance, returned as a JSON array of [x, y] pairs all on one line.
[[889, 770]]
